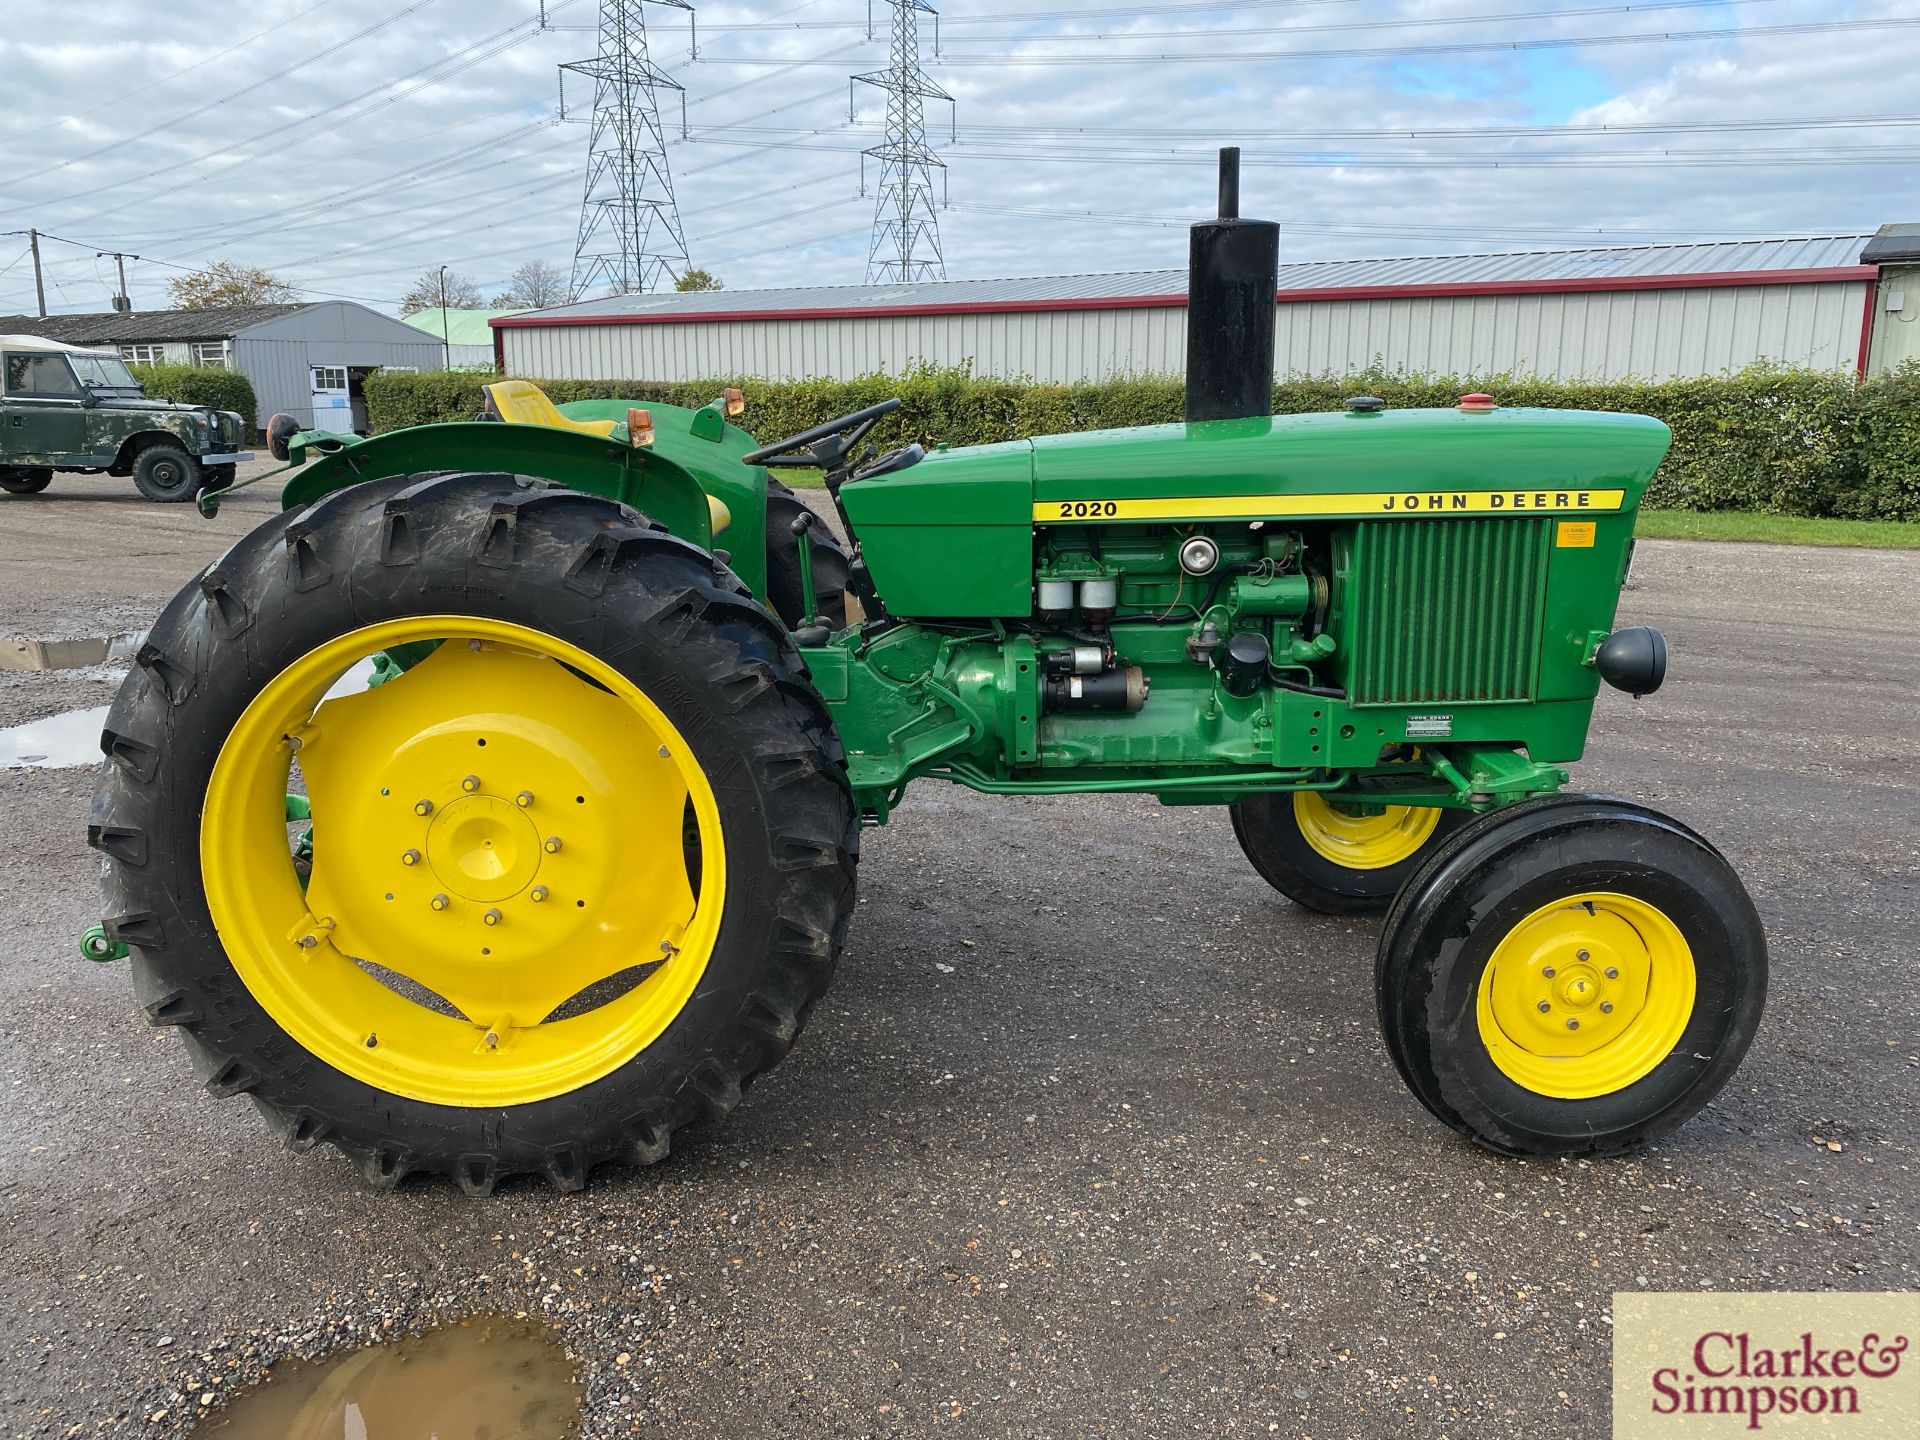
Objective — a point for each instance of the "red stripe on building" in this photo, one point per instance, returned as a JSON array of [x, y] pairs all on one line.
[[1592, 285]]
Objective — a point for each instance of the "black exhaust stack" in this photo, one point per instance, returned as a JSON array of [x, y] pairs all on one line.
[[1233, 278]]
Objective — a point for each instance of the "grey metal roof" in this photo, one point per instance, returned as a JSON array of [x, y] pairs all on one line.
[[148, 327], [1599, 262]]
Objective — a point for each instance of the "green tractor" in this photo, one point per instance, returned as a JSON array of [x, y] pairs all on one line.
[[480, 815]]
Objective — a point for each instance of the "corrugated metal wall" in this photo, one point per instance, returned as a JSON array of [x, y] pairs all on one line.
[[1896, 333], [278, 368], [1652, 334], [1602, 335], [1042, 345]]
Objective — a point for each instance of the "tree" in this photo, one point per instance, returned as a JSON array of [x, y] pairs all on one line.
[[534, 286], [699, 280], [460, 293], [224, 283]]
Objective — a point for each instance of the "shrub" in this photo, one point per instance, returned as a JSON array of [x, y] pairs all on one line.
[[1774, 441], [201, 385]]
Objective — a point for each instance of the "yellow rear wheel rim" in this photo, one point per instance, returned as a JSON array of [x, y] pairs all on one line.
[[1587, 995], [499, 834], [1362, 842]]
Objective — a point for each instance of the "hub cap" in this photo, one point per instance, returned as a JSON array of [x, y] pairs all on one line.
[[1359, 841], [1586, 996], [517, 873]]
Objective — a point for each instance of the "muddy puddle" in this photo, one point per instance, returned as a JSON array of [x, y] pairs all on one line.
[[58, 742], [20, 653], [486, 1378]]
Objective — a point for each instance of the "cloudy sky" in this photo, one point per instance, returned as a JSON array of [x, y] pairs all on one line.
[[350, 145]]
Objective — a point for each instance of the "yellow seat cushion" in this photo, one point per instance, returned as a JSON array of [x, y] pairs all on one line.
[[520, 402]]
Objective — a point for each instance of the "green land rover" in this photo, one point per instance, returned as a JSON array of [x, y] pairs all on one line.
[[71, 409]]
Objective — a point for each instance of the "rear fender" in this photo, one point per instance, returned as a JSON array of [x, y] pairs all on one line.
[[650, 482]]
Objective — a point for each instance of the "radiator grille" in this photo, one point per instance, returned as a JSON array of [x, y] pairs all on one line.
[[1446, 610]]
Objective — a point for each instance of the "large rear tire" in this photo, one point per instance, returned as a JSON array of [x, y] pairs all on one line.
[[1570, 976], [581, 859], [829, 599]]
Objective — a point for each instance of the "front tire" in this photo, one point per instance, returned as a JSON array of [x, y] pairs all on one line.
[[1334, 859], [166, 474], [1571, 976], [424, 996]]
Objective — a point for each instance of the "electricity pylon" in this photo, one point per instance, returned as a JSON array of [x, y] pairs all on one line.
[[906, 233], [629, 224]]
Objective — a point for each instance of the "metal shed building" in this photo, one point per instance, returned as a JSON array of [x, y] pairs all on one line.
[[1648, 311], [308, 360]]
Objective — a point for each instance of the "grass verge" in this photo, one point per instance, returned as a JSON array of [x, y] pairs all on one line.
[[1776, 529]]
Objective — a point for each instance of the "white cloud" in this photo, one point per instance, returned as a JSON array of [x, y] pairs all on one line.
[[355, 173]]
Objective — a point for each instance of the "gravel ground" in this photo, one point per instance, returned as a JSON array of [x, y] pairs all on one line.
[[1092, 1137]]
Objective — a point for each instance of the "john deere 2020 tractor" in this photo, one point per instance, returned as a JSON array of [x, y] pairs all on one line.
[[494, 809]]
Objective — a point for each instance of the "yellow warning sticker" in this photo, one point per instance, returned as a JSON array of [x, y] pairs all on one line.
[[1574, 535], [1386, 503]]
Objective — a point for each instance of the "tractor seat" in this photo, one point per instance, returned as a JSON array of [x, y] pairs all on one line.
[[521, 402]]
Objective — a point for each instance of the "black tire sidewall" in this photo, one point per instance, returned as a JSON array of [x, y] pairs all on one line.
[[646, 1094], [1270, 837], [1436, 948], [161, 457]]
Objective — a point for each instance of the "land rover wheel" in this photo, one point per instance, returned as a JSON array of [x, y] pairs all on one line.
[[25, 482], [166, 473]]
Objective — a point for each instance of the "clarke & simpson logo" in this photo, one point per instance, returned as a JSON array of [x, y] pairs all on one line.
[[1721, 1365]]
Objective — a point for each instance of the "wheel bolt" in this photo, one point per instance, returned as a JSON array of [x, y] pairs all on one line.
[[439, 902], [523, 799], [553, 845], [538, 894], [1549, 972], [410, 857], [470, 784], [1573, 1024], [423, 807], [1545, 1006], [492, 917], [1613, 972], [663, 752], [1583, 955], [1606, 1007]]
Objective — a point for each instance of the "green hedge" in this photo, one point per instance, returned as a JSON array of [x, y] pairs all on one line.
[[201, 385], [1786, 442]]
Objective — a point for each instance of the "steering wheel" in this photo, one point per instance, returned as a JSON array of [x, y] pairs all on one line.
[[824, 447]]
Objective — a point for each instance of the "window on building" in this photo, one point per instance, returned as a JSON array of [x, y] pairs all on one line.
[[210, 352], [143, 354], [47, 376]]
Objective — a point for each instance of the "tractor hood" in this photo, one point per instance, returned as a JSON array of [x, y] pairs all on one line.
[[1352, 453]]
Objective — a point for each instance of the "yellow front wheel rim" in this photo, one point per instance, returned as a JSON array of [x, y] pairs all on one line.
[[518, 868], [1586, 995], [1362, 842]]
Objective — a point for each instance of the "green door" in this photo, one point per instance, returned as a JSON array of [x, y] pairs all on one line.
[[45, 421]]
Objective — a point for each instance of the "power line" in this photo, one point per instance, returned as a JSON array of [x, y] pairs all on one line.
[[120, 97], [148, 131], [1821, 27], [488, 46], [1403, 23]]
